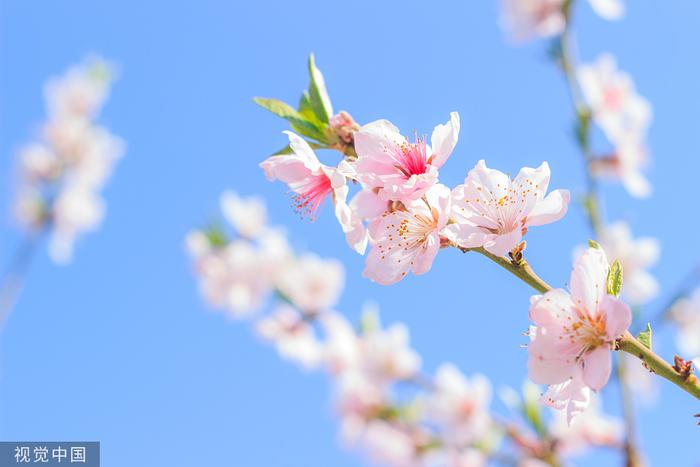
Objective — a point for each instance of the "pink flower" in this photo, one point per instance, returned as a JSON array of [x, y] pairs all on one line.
[[493, 211], [407, 240], [575, 332], [615, 104], [398, 169], [312, 182]]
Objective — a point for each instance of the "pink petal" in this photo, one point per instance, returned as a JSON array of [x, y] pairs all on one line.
[[552, 309], [373, 138], [597, 366], [424, 260], [618, 316], [588, 279], [444, 140], [550, 209], [503, 243]]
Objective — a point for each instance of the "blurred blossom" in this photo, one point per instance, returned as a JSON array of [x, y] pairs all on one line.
[[311, 283], [624, 116], [591, 429], [685, 313], [248, 216], [493, 211], [639, 379], [460, 405], [527, 19], [62, 175], [293, 337], [635, 256]]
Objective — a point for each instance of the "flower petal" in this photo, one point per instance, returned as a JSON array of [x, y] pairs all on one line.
[[597, 366], [444, 140]]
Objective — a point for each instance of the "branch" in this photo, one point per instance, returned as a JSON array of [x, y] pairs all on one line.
[[688, 382]]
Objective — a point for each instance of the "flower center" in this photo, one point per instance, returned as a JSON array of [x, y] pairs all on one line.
[[310, 194], [586, 331], [411, 158]]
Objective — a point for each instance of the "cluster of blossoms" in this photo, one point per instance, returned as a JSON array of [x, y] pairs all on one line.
[[439, 421], [406, 216], [62, 174], [403, 212]]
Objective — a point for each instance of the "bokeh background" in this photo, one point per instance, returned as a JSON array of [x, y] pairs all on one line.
[[118, 346]]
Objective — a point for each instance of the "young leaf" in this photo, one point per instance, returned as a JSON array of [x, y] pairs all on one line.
[[300, 123], [615, 279], [277, 107], [645, 337], [594, 244], [318, 95]]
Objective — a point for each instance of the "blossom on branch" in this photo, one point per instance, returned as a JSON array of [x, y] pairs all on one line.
[[313, 182], [572, 343], [396, 168], [493, 211], [407, 238]]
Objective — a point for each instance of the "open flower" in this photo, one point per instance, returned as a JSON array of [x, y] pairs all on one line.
[[575, 331], [493, 211], [635, 256], [312, 182], [398, 169], [407, 239]]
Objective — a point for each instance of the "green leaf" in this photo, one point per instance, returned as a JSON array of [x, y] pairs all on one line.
[[276, 106], [594, 244], [645, 337], [216, 235], [300, 123], [318, 95], [615, 279]]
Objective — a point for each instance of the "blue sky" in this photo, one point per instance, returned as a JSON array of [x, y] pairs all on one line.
[[118, 347]]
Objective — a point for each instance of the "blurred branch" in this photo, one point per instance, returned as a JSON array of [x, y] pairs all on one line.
[[15, 276]]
